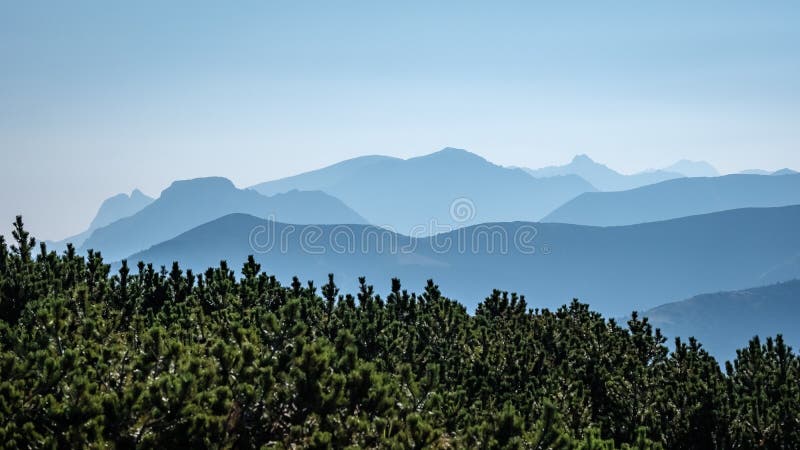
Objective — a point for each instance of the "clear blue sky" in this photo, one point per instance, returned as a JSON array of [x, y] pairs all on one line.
[[97, 98]]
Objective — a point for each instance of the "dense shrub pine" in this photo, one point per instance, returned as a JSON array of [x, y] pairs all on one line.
[[160, 358]]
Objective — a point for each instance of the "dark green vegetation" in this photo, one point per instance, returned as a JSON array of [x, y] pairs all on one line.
[[166, 358]]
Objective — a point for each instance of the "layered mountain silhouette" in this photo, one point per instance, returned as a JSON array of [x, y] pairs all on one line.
[[721, 321], [678, 198], [119, 206], [431, 193], [693, 168], [784, 171], [323, 179], [189, 203], [601, 176], [615, 269], [111, 210]]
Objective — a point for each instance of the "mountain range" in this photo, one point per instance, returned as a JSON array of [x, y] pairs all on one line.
[[189, 203], [111, 210], [784, 171], [615, 269], [693, 168], [678, 198], [436, 192], [601, 176]]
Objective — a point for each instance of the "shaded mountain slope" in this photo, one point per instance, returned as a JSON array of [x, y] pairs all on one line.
[[723, 319], [678, 198]]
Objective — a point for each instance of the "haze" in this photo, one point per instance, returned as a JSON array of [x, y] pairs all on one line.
[[97, 99]]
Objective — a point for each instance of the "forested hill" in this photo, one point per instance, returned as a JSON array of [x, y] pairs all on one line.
[[149, 358]]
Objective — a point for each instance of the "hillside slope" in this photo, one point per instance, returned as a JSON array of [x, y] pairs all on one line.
[[678, 198], [721, 320]]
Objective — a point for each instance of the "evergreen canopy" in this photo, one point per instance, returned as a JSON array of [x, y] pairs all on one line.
[[167, 358]]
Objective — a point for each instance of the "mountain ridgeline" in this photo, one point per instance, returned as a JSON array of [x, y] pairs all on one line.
[[187, 204], [111, 210], [148, 358], [602, 177], [418, 195], [678, 198]]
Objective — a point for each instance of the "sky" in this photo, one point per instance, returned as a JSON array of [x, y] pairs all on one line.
[[98, 98]]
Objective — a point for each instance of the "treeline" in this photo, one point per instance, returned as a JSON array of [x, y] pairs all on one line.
[[149, 358]]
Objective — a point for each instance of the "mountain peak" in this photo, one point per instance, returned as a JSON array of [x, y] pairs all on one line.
[[203, 182], [198, 186], [583, 158], [136, 193], [119, 206], [693, 168], [452, 153]]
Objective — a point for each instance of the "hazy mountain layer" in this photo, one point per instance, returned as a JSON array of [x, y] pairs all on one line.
[[693, 168], [187, 204], [601, 176], [678, 198], [111, 210], [432, 193]]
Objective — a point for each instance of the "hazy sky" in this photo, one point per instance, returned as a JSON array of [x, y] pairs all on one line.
[[98, 98]]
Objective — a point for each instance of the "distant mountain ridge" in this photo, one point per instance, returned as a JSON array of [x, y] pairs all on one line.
[[721, 320], [693, 168], [111, 210], [678, 198], [321, 179], [426, 194], [601, 176], [119, 206], [784, 171], [188, 203], [616, 269]]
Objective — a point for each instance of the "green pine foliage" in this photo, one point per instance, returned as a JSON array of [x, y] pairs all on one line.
[[156, 358]]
